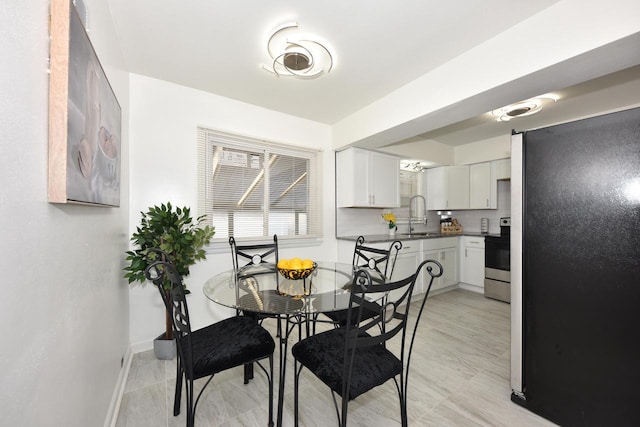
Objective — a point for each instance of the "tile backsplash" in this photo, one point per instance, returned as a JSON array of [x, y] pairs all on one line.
[[356, 221]]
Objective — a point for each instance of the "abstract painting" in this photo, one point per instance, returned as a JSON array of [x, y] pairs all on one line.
[[84, 117]]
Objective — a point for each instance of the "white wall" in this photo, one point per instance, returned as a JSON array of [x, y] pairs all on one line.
[[361, 221], [483, 151], [423, 149], [441, 154], [64, 305], [164, 120]]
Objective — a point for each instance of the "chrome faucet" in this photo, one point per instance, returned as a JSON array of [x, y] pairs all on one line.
[[424, 219]]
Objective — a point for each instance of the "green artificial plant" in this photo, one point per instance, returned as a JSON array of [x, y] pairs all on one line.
[[176, 234]]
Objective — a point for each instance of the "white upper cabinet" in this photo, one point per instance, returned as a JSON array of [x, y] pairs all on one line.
[[480, 186], [384, 180], [501, 169], [483, 183], [466, 187], [448, 188], [367, 179]]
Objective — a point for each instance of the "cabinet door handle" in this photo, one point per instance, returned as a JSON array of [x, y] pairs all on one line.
[[465, 253], [487, 202], [471, 241]]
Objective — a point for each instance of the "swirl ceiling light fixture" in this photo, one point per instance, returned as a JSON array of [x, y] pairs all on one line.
[[523, 108], [297, 55]]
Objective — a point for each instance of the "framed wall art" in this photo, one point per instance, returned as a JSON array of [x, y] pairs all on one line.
[[84, 117]]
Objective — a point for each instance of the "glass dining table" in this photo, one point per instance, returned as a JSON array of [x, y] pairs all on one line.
[[262, 289]]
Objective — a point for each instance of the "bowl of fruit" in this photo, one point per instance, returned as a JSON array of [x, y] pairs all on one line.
[[296, 268]]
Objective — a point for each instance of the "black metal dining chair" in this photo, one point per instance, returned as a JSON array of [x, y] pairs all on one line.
[[247, 256], [355, 358], [380, 262], [264, 255], [232, 342]]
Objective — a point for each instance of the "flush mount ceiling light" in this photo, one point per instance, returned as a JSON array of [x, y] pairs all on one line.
[[414, 165], [523, 108], [294, 54]]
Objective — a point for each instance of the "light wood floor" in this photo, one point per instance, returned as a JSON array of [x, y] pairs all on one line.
[[459, 377]]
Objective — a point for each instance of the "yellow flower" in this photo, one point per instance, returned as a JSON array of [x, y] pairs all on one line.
[[390, 218]]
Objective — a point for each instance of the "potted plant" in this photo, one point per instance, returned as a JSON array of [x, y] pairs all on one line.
[[181, 238]]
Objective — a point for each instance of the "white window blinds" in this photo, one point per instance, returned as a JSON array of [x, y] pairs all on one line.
[[253, 189]]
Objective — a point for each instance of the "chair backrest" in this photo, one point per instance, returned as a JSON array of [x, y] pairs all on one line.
[[166, 278], [247, 255], [381, 260], [392, 318]]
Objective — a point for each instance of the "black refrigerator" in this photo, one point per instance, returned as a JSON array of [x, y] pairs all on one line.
[[575, 354]]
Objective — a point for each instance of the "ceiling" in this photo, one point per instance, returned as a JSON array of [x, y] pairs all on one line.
[[220, 47], [605, 94]]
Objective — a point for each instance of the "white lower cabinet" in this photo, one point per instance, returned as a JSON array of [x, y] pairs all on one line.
[[445, 251], [472, 261], [449, 261], [407, 262]]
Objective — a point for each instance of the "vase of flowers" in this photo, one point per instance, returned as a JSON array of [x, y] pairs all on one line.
[[390, 219]]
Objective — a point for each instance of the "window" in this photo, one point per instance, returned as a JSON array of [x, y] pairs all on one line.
[[255, 189]]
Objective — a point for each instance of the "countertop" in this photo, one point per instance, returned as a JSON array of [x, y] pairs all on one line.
[[381, 238]]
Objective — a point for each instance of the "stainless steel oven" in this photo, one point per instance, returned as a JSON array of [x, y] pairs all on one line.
[[497, 263]]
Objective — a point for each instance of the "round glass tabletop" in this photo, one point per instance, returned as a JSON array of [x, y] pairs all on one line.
[[261, 288]]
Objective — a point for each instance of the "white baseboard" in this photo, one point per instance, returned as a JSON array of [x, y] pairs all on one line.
[[116, 399], [443, 290], [141, 346], [472, 288]]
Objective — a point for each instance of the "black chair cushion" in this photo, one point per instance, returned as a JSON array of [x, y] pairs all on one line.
[[340, 316], [228, 343], [323, 354]]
